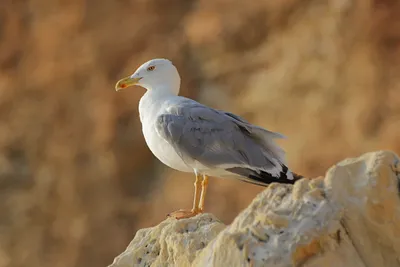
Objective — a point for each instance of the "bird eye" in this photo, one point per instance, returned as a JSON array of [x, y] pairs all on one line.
[[151, 68]]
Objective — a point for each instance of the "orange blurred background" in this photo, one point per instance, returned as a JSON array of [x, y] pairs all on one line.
[[76, 177]]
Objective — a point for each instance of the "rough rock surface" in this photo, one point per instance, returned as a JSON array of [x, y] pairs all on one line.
[[173, 242], [349, 218]]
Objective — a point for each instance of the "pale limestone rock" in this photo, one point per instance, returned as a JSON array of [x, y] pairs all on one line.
[[367, 188], [171, 243], [349, 218]]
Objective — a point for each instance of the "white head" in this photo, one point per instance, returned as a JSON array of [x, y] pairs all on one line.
[[156, 74]]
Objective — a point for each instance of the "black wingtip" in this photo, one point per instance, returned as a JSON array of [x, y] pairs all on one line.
[[264, 178]]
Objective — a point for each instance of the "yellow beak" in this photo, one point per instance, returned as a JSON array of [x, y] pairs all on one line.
[[126, 82]]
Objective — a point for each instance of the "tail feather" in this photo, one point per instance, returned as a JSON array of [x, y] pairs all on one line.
[[264, 178]]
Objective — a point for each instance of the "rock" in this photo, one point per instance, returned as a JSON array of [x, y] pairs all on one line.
[[171, 243], [350, 217]]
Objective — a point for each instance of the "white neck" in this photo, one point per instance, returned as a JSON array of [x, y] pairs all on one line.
[[152, 101], [164, 90]]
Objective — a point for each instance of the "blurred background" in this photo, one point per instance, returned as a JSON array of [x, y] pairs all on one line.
[[76, 177]]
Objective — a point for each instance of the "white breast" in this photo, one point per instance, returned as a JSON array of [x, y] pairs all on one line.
[[149, 108], [162, 149]]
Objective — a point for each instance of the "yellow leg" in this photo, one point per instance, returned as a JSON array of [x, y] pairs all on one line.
[[180, 214], [197, 190], [204, 185]]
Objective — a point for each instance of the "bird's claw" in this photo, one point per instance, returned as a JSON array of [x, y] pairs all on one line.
[[184, 214]]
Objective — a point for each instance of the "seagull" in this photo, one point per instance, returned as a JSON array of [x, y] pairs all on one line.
[[190, 137]]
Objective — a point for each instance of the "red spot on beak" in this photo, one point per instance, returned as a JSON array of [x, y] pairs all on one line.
[[123, 85]]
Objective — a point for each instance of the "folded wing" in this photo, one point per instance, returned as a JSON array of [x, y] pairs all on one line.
[[220, 140]]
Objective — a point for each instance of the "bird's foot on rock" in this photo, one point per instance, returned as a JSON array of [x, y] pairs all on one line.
[[183, 214]]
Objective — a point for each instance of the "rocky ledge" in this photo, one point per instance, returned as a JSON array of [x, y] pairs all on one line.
[[350, 217]]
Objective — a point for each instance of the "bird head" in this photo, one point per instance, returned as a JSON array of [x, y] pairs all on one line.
[[156, 74]]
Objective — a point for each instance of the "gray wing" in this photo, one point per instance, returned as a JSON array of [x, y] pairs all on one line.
[[221, 140]]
